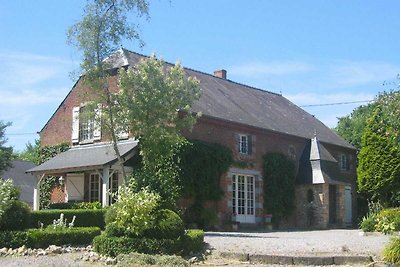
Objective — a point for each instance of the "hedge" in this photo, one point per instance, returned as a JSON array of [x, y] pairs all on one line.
[[13, 239], [84, 218], [191, 241], [42, 238], [113, 246]]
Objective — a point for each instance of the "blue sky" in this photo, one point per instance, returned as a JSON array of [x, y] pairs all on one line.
[[313, 52]]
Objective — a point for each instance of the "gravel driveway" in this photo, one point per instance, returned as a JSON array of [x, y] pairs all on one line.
[[302, 243]]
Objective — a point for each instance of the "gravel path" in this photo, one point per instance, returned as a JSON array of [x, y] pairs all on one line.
[[304, 243]]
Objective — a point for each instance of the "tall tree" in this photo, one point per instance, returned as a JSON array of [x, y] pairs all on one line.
[[157, 101], [6, 153], [105, 24], [351, 127], [31, 152], [379, 159]]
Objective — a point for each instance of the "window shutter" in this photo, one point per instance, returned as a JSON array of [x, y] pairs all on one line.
[[347, 163], [249, 145], [237, 138], [75, 125], [86, 188], [97, 123]]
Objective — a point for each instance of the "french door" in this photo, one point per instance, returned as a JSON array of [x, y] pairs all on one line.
[[243, 198]]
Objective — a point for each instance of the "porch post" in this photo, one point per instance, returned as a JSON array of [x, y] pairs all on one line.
[[105, 186], [36, 192]]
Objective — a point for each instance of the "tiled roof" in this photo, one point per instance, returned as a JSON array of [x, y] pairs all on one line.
[[81, 157], [235, 102]]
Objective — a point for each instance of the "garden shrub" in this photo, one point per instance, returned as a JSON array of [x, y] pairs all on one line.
[[167, 225], [113, 246], [391, 253], [139, 259], [193, 241], [87, 205], [368, 223], [388, 220], [41, 238], [13, 239], [15, 216], [84, 218], [61, 206]]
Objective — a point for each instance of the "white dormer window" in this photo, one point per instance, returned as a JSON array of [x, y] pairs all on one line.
[[245, 144], [85, 125]]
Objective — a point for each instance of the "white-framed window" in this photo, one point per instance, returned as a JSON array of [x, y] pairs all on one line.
[[85, 125], [94, 187], [343, 162], [245, 144]]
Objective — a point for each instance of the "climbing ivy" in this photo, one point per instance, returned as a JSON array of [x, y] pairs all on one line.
[[279, 185], [45, 153], [202, 165]]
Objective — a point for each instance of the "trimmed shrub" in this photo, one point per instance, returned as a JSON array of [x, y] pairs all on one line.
[[193, 241], [13, 239], [113, 246], [15, 216], [167, 225], [391, 253], [84, 218], [87, 205], [61, 206], [41, 238], [138, 259]]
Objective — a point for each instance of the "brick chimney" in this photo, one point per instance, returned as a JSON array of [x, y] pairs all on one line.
[[220, 73]]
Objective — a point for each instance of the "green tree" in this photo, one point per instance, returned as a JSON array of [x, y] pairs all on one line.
[[351, 127], [105, 24], [379, 158], [157, 104], [6, 152], [279, 181], [31, 152]]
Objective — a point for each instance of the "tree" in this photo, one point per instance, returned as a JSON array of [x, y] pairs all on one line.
[[379, 159], [156, 101], [351, 127], [31, 152], [103, 27], [6, 153]]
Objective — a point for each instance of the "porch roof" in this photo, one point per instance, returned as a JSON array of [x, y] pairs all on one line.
[[84, 157]]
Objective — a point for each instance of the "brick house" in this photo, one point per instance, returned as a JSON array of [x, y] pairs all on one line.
[[248, 120]]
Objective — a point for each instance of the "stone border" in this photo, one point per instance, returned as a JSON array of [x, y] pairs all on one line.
[[298, 260]]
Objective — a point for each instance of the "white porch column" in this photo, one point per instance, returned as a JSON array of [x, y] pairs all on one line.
[[105, 186], [36, 192]]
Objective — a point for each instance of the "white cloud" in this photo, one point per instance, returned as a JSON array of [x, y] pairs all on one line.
[[32, 98]]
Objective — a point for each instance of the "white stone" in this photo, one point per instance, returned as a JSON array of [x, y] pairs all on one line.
[[111, 261]]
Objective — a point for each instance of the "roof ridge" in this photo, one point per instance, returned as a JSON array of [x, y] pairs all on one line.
[[208, 74]]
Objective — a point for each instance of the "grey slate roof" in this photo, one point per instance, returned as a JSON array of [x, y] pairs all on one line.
[[235, 102], [25, 181], [88, 156]]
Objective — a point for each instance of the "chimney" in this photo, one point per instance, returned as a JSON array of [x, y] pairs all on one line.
[[220, 73]]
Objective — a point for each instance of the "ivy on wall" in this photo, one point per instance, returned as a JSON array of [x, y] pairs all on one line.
[[202, 165], [45, 153], [279, 185]]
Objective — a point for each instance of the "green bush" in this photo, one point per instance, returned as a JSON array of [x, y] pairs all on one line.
[[84, 218], [15, 216], [368, 223], [113, 246], [41, 238], [138, 259], [13, 239], [167, 225], [61, 206], [388, 220], [87, 205], [391, 253], [193, 241]]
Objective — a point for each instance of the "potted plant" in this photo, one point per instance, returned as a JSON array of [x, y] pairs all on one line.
[[268, 221]]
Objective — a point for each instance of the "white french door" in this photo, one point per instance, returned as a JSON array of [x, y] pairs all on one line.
[[243, 198]]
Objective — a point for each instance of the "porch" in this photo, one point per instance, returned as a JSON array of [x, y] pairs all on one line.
[[87, 172]]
